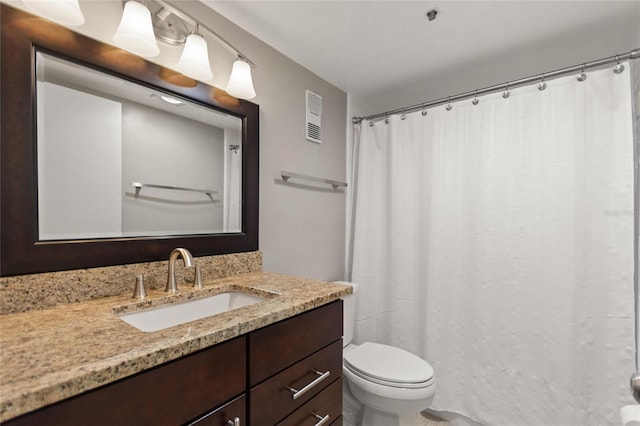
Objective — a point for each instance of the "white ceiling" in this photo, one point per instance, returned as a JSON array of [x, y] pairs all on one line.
[[387, 54]]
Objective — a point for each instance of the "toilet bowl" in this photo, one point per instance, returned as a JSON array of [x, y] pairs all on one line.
[[387, 380]]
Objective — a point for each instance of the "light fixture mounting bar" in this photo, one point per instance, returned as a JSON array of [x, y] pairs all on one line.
[[161, 11]]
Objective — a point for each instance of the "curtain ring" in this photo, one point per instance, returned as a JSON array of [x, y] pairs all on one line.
[[475, 98], [618, 68], [424, 111], [448, 107], [386, 118], [582, 76], [403, 116], [542, 84], [371, 123], [506, 93]]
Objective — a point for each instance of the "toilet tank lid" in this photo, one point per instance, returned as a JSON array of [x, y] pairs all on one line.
[[354, 285], [388, 363]]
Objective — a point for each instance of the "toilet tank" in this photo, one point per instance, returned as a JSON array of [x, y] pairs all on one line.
[[349, 313]]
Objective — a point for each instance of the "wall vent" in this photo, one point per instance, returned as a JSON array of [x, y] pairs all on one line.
[[313, 131]]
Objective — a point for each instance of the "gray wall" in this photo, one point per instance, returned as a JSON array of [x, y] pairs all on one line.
[[301, 231]]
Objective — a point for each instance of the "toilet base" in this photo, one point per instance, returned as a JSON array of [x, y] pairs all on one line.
[[382, 411], [373, 417]]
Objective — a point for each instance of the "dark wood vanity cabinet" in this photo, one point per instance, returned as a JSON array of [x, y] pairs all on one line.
[[293, 366], [171, 394], [253, 378]]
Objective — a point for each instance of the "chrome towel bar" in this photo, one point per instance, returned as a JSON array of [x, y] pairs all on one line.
[[138, 186], [335, 184]]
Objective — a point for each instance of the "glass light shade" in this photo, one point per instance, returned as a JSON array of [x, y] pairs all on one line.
[[240, 83], [65, 12], [135, 32], [194, 61]]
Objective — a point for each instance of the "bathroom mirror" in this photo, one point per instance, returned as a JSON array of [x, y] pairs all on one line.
[[158, 165], [109, 159]]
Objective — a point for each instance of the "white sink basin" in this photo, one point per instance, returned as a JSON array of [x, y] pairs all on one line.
[[166, 316]]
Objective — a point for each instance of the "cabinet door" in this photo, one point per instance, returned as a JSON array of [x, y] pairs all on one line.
[[170, 394], [233, 413], [278, 346]]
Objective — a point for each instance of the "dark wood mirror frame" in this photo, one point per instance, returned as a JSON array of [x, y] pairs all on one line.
[[20, 250]]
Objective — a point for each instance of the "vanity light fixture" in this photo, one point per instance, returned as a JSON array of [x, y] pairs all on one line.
[[142, 24], [135, 32], [65, 12]]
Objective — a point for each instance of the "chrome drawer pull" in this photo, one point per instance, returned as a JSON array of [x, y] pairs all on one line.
[[234, 422], [322, 421], [298, 393]]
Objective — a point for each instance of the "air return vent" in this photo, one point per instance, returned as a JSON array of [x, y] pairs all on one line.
[[314, 117]]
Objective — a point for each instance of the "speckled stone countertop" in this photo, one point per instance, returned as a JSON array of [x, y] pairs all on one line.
[[52, 354]]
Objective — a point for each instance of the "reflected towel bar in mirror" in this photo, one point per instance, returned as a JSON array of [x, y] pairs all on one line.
[[138, 186], [335, 184]]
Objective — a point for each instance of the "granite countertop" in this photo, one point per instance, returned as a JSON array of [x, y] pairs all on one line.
[[52, 354]]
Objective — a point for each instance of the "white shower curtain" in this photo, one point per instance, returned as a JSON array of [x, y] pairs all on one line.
[[496, 241]]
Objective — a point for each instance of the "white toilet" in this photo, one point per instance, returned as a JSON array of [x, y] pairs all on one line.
[[388, 381]]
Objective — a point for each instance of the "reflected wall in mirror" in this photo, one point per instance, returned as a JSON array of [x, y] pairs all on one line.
[[119, 159], [97, 169]]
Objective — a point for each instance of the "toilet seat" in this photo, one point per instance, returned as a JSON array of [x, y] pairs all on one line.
[[388, 366]]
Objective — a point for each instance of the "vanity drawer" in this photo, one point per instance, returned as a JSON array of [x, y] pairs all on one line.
[[171, 394], [221, 416], [327, 403], [272, 399], [276, 347]]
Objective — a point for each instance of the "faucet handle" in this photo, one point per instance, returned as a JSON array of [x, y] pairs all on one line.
[[139, 291], [197, 280]]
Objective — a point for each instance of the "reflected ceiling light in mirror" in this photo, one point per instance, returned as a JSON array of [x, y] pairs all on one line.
[[240, 83], [135, 32], [65, 12], [194, 61], [169, 99]]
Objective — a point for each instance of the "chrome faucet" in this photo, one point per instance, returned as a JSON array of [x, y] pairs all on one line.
[[188, 262]]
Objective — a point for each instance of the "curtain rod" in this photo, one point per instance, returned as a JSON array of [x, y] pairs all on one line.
[[633, 54]]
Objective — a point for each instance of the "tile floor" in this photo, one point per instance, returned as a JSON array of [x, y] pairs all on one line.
[[423, 419]]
